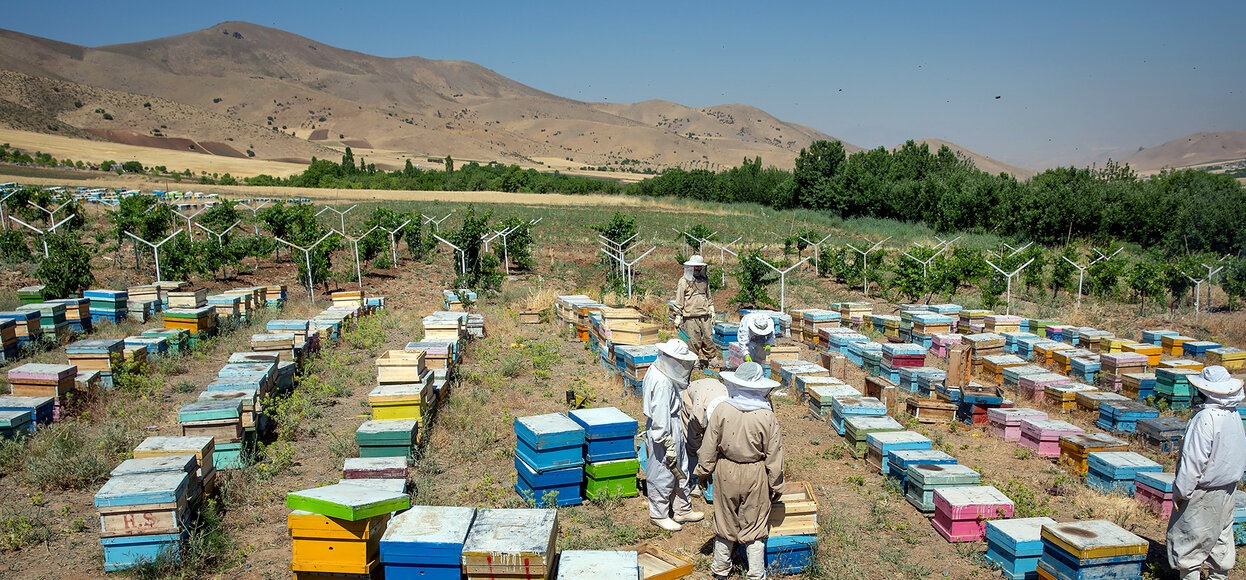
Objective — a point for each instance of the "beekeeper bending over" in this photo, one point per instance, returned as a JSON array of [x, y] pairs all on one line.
[[667, 468], [696, 400], [694, 310], [743, 450], [1212, 459], [756, 336]]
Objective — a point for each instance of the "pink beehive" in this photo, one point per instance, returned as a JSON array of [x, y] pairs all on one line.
[[1154, 490], [1036, 385], [1043, 435], [961, 513], [1006, 423]]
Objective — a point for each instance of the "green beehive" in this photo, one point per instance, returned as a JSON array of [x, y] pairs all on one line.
[[611, 478], [392, 438]]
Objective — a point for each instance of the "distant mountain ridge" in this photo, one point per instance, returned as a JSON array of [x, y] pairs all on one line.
[[242, 89]]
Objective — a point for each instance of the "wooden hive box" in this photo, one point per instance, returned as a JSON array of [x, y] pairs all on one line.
[[219, 419], [42, 380], [347, 502], [332, 545], [961, 512], [143, 504], [658, 564], [511, 543], [392, 438], [400, 401], [197, 298], [930, 410], [400, 366], [1077, 446], [426, 542], [1091, 549], [374, 468], [203, 448]]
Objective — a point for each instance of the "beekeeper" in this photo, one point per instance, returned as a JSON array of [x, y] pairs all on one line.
[[743, 450], [695, 402], [756, 336], [666, 471], [694, 310], [1211, 463]]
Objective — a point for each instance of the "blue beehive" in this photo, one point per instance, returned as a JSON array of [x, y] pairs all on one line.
[[1123, 416], [789, 554], [1093, 549], [1085, 368], [610, 433], [548, 442], [1116, 470], [1162, 432], [880, 446], [903, 458], [426, 543], [842, 408], [125, 552], [15, 423], [1198, 348], [1156, 337], [1016, 545], [40, 408], [556, 487]]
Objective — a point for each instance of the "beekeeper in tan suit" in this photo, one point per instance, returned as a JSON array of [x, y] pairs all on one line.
[[696, 400], [743, 450], [1212, 459], [694, 310]]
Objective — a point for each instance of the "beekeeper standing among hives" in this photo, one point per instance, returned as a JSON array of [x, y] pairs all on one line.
[[694, 415], [756, 336], [743, 450], [1212, 460], [666, 471], [694, 310]]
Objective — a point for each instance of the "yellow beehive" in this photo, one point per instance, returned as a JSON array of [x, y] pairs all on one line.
[[397, 402], [1174, 345], [1110, 344], [1043, 351], [330, 545], [1151, 351]]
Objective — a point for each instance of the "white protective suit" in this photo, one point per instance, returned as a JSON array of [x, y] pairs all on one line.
[[1213, 458], [664, 433], [754, 344]]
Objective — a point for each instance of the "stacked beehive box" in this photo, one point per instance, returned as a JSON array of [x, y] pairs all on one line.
[[77, 314], [108, 305], [199, 323], [899, 355], [337, 529], [387, 438], [921, 480], [228, 307], [901, 460], [816, 319], [822, 397], [1064, 396], [51, 318], [854, 313], [1228, 357], [1154, 490], [1174, 344], [1117, 470], [941, 344], [1085, 368], [549, 459], [1164, 433], [404, 387], [222, 421], [1138, 386], [506, 544], [40, 409], [201, 447], [102, 354], [993, 366], [144, 515], [1173, 385], [1012, 340], [1012, 374], [983, 345], [30, 294], [1001, 323], [279, 343], [1123, 416], [972, 321], [1006, 423], [1197, 349], [1075, 448], [961, 513], [858, 428], [1016, 545], [1026, 347], [610, 464], [842, 408], [880, 445], [1043, 435], [976, 400], [275, 296], [426, 543], [1091, 549], [793, 529], [15, 423], [634, 361], [45, 380], [9, 346]]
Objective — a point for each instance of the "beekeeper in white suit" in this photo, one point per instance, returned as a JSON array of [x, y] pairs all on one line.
[[756, 336], [667, 469], [1211, 463]]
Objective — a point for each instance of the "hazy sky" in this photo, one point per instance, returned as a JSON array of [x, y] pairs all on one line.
[[1073, 79]]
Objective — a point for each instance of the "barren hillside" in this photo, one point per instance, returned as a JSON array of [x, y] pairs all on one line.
[[1196, 149]]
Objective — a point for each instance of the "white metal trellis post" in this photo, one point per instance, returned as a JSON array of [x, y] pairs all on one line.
[[255, 214], [436, 222], [3, 214], [189, 229], [630, 269], [865, 264], [220, 238], [155, 248], [783, 280], [393, 243], [927, 261], [51, 213], [461, 251], [311, 291], [506, 252], [340, 214], [722, 256], [44, 233], [817, 257], [1009, 277], [1210, 277], [354, 240]]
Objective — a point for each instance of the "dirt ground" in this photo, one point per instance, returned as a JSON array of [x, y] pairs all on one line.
[[867, 529]]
